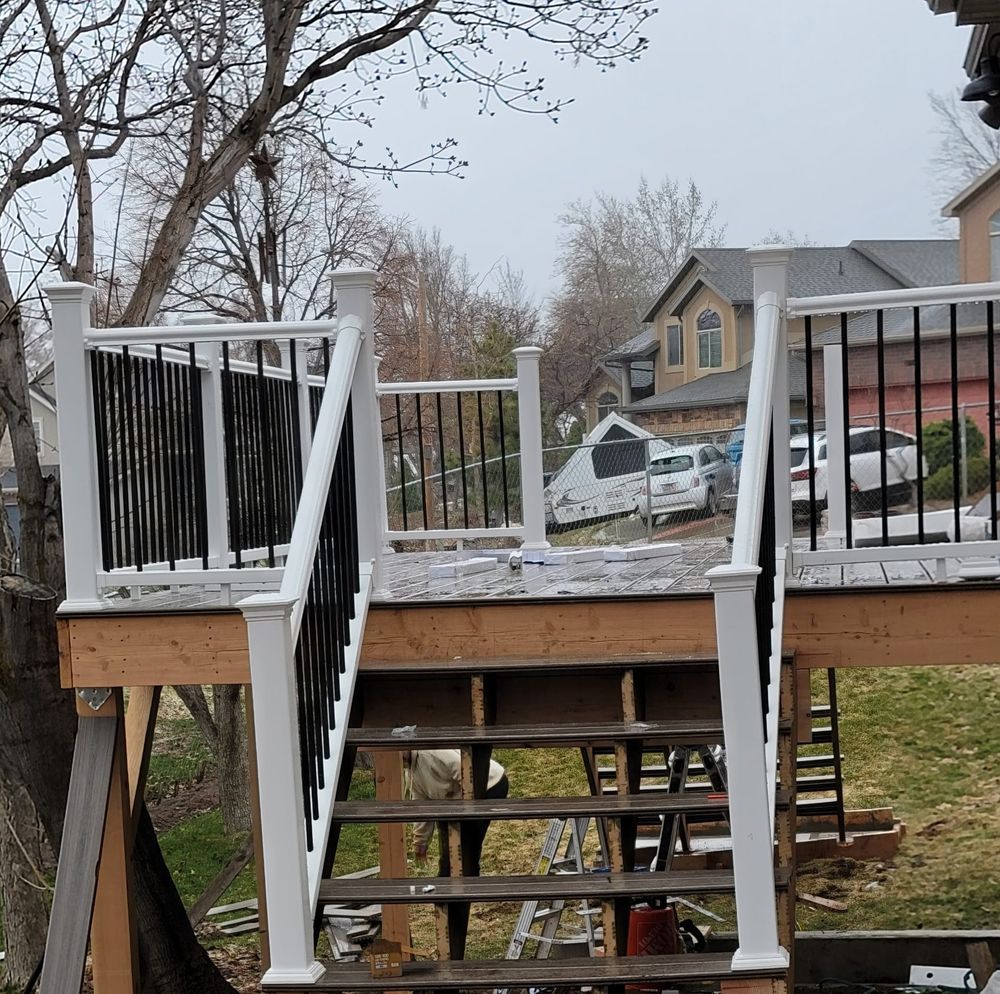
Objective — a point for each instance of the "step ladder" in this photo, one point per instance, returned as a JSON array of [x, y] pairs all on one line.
[[549, 861]]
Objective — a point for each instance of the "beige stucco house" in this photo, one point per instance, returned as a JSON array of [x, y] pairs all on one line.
[[699, 335]]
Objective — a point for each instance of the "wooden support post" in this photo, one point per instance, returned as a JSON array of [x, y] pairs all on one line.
[[113, 941], [140, 723], [392, 846]]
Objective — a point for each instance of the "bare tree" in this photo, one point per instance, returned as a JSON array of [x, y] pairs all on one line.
[[616, 254], [91, 81], [966, 147]]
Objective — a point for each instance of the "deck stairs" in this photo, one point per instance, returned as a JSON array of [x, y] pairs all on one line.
[[631, 706]]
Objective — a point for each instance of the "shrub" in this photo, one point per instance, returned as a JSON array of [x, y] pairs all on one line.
[[939, 486], [939, 444]]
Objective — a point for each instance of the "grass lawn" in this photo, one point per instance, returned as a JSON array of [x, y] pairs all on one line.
[[924, 741]]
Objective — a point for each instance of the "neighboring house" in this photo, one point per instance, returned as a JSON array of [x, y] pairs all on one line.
[[614, 385], [700, 337], [43, 413]]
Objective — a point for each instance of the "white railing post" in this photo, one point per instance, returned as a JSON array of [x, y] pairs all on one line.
[[214, 441], [355, 298], [529, 420], [749, 796], [70, 304], [836, 444], [279, 778], [770, 273]]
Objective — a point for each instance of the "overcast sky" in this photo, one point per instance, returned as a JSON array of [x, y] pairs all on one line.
[[810, 115]]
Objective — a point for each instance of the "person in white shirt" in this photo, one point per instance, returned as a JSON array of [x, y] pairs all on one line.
[[436, 774]]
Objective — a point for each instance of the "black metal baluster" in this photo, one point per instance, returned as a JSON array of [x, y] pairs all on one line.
[[423, 465], [266, 451], [444, 477], [764, 594], [956, 428], [482, 460], [461, 456], [919, 426], [99, 398], [157, 455], [846, 390], [198, 432], [811, 428], [883, 468], [187, 462], [164, 408], [128, 416], [138, 412], [297, 414], [230, 456], [503, 461], [992, 415], [173, 454], [402, 462], [151, 520], [112, 364]]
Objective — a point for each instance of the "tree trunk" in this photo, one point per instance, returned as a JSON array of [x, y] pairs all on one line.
[[22, 884], [234, 783], [172, 959], [37, 717]]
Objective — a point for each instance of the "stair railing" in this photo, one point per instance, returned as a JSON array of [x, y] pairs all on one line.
[[305, 639], [749, 597]]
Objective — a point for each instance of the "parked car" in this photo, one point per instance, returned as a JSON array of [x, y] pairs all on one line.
[[688, 478], [601, 478], [866, 471], [734, 443]]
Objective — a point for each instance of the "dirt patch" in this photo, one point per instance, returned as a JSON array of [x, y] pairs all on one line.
[[195, 799]]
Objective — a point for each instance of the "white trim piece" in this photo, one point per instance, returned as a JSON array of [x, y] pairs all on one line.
[[445, 386], [237, 330], [980, 569], [634, 554], [252, 576], [963, 293], [319, 472], [247, 555], [463, 567], [451, 534], [898, 553], [341, 719], [774, 688], [753, 467], [529, 419], [561, 557]]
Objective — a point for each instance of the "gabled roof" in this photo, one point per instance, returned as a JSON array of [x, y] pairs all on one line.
[[641, 346], [979, 185], [719, 388], [816, 271]]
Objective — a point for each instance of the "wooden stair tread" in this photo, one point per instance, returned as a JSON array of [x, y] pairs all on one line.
[[488, 974], [543, 664], [531, 887], [705, 731]]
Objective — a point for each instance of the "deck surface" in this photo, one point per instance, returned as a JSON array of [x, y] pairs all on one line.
[[407, 576], [407, 579]]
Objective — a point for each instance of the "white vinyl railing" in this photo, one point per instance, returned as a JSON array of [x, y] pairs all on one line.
[[531, 528], [749, 620]]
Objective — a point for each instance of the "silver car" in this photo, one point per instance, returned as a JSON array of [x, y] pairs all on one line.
[[688, 478]]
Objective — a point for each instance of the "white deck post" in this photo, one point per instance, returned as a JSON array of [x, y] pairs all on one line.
[[77, 447], [529, 419], [836, 444], [354, 298], [749, 796], [279, 777], [770, 273], [214, 440]]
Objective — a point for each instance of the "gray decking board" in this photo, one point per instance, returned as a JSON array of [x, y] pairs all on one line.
[[79, 855]]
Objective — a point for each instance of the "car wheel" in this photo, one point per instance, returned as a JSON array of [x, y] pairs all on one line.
[[711, 503]]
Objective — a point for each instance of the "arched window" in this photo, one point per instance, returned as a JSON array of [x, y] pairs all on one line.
[[995, 247], [607, 404], [709, 339]]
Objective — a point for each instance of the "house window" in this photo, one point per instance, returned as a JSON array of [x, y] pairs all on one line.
[[709, 340], [675, 345], [607, 404], [995, 247]]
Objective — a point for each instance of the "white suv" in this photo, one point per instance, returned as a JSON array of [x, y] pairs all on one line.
[[866, 468]]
